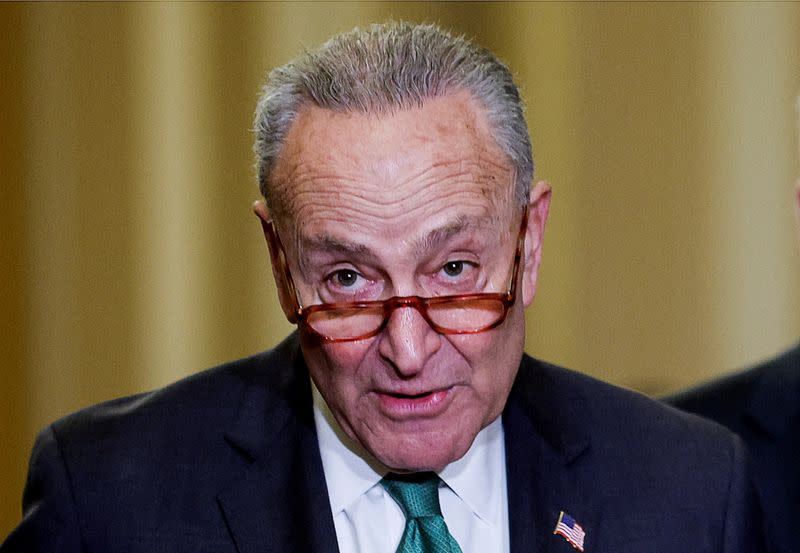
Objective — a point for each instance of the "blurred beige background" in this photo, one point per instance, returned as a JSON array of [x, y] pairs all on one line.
[[130, 257]]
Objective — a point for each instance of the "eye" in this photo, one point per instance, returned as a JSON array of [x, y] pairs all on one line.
[[457, 274], [453, 268], [349, 284], [345, 277]]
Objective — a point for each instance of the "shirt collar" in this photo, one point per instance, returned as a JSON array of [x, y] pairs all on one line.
[[478, 478], [349, 469]]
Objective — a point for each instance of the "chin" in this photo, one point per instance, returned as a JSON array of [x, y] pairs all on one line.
[[403, 455]]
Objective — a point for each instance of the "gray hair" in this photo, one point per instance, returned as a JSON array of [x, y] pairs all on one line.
[[385, 67]]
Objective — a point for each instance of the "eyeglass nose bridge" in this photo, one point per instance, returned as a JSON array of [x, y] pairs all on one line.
[[389, 306], [399, 302]]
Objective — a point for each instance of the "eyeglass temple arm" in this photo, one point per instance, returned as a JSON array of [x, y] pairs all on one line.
[[287, 293], [519, 250]]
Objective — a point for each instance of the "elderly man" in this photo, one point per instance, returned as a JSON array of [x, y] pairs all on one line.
[[405, 238]]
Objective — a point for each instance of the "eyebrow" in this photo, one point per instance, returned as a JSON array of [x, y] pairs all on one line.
[[446, 232], [434, 237], [330, 245]]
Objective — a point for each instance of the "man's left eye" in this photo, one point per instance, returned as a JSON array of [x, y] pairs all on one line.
[[453, 268], [346, 277]]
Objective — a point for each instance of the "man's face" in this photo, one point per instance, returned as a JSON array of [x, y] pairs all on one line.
[[419, 202]]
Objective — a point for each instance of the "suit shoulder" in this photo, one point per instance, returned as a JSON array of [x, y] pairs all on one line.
[[205, 390], [622, 416], [618, 440], [723, 398], [196, 407]]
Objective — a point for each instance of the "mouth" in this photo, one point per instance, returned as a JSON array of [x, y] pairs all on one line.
[[410, 396], [422, 404]]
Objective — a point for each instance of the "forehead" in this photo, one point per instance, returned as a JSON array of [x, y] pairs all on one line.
[[436, 161]]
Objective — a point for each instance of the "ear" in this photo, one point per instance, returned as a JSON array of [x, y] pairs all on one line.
[[538, 208], [286, 291]]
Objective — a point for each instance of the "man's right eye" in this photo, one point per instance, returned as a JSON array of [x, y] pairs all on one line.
[[348, 284]]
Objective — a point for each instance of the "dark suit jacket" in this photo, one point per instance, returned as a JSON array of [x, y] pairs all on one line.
[[227, 461], [762, 405]]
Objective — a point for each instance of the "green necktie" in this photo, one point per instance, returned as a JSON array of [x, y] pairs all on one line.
[[418, 496]]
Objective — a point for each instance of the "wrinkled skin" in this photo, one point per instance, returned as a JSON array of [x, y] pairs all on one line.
[[373, 206]]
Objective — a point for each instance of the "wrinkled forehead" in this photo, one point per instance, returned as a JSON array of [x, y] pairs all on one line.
[[382, 166]]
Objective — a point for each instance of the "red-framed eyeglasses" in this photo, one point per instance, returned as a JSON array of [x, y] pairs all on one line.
[[359, 320]]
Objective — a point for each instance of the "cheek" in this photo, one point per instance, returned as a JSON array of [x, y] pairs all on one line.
[[491, 350], [493, 357], [336, 370], [346, 357]]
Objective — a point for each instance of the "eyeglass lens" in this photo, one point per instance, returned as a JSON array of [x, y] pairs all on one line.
[[455, 314]]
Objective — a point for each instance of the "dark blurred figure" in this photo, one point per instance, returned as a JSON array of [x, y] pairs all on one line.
[[762, 405]]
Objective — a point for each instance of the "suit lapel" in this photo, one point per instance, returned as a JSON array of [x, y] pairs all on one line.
[[278, 501], [545, 438]]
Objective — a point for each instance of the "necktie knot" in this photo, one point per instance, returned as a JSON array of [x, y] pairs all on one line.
[[416, 493]]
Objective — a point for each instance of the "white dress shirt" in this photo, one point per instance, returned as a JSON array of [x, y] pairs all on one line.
[[367, 519]]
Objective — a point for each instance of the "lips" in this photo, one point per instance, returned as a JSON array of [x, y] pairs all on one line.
[[414, 404], [410, 396]]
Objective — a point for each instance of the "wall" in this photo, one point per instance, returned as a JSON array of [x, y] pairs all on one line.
[[130, 257]]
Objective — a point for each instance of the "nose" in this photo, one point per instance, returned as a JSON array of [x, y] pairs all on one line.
[[408, 341]]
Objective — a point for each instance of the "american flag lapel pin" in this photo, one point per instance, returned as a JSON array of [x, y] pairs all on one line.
[[570, 530]]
